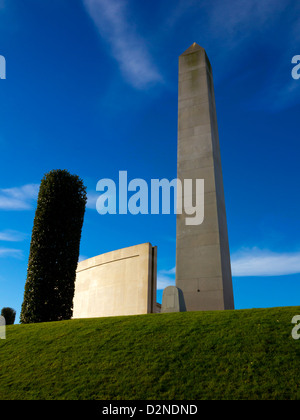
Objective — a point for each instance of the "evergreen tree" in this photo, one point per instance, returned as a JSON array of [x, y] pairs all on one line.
[[54, 249]]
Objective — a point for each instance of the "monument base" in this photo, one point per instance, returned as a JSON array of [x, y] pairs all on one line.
[[173, 300]]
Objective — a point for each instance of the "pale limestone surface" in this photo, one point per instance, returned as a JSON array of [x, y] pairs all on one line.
[[121, 282], [203, 270], [172, 300]]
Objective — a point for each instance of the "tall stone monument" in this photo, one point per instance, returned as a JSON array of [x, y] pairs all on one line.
[[203, 270]]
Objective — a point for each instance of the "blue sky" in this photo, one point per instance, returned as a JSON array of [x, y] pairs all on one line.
[[91, 87]]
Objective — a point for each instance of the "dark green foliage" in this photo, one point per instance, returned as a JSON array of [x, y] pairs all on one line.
[[54, 249], [9, 315]]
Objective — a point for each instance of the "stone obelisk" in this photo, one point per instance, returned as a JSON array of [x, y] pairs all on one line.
[[203, 270]]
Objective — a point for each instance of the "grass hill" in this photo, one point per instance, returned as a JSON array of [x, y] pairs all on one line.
[[245, 354]]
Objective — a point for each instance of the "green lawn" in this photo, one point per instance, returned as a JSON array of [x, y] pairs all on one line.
[[245, 354]]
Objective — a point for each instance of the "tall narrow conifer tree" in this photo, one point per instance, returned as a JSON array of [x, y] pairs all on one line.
[[54, 249]]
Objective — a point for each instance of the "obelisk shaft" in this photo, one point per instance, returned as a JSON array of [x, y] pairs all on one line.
[[203, 270]]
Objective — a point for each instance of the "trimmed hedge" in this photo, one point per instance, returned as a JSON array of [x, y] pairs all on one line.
[[54, 249]]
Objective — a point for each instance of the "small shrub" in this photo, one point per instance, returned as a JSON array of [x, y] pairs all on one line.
[[9, 314]]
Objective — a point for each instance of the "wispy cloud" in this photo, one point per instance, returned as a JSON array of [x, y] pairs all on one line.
[[241, 17], [169, 272], [280, 92], [92, 198], [12, 253], [248, 262], [82, 258], [24, 198], [19, 198], [257, 262], [12, 236], [165, 278], [241, 25], [126, 46]]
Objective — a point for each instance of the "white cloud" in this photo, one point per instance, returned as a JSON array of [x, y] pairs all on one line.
[[126, 46], [82, 258], [281, 93], [19, 198], [92, 200], [10, 252], [257, 262], [12, 236], [165, 278], [168, 272], [246, 25], [240, 17]]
